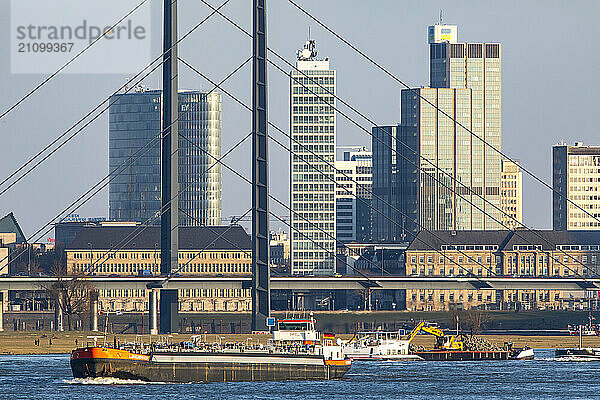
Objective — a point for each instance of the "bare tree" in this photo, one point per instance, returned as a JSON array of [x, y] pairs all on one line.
[[475, 320], [71, 293]]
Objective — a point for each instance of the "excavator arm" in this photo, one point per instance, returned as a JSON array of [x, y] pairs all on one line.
[[433, 331], [442, 342], [415, 331]]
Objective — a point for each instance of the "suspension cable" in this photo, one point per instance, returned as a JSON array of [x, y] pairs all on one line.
[[115, 93], [42, 83], [416, 92], [404, 144]]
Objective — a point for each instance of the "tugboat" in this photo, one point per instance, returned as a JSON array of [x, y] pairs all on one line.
[[519, 353], [296, 352]]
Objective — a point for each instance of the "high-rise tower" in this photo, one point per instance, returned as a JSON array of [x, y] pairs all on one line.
[[576, 184], [475, 66], [134, 120], [353, 195], [444, 172], [511, 194], [312, 195]]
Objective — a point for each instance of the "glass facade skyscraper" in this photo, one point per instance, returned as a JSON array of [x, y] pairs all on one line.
[[384, 219], [134, 121], [312, 187], [477, 67], [441, 169], [431, 192]]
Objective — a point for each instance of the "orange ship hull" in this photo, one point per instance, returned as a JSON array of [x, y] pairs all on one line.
[[94, 362]]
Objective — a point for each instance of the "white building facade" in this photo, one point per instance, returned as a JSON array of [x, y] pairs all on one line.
[[353, 195], [511, 195], [312, 187], [576, 183]]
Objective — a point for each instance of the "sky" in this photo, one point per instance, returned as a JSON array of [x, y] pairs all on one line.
[[550, 89]]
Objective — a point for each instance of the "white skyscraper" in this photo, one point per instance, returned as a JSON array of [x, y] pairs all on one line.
[[312, 194], [353, 195], [511, 194]]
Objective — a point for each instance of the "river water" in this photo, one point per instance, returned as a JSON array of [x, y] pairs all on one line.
[[49, 377]]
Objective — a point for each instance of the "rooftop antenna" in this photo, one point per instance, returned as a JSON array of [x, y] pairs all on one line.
[[309, 32], [440, 17]]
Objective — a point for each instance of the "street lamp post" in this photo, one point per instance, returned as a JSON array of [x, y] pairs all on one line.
[[91, 257], [155, 247]]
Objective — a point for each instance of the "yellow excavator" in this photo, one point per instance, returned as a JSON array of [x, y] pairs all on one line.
[[443, 341]]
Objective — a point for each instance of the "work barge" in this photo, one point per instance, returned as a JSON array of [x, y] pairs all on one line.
[[380, 345]]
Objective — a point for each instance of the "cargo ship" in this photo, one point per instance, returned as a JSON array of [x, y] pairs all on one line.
[[582, 353], [462, 355], [296, 352]]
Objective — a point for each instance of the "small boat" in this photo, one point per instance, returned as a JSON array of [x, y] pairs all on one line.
[[379, 346], [589, 329], [296, 352], [521, 353], [578, 353], [582, 354]]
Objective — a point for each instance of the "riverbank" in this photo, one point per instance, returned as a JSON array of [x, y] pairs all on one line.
[[25, 342], [338, 321]]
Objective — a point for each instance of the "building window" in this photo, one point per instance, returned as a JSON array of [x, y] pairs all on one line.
[[492, 51]]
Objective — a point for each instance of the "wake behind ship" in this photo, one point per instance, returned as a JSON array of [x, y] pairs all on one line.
[[296, 352]]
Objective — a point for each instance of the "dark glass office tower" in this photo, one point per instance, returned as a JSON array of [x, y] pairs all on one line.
[[385, 221], [134, 130]]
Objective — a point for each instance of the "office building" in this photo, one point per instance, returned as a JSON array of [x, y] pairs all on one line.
[[204, 251], [442, 172], [353, 178], [511, 195], [430, 184], [576, 177], [312, 187], [11, 237], [521, 253], [474, 66], [279, 247], [134, 130], [386, 221]]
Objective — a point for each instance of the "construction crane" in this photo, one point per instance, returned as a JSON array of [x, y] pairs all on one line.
[[443, 341]]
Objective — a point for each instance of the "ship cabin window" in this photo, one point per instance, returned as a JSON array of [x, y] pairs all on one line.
[[294, 325]]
